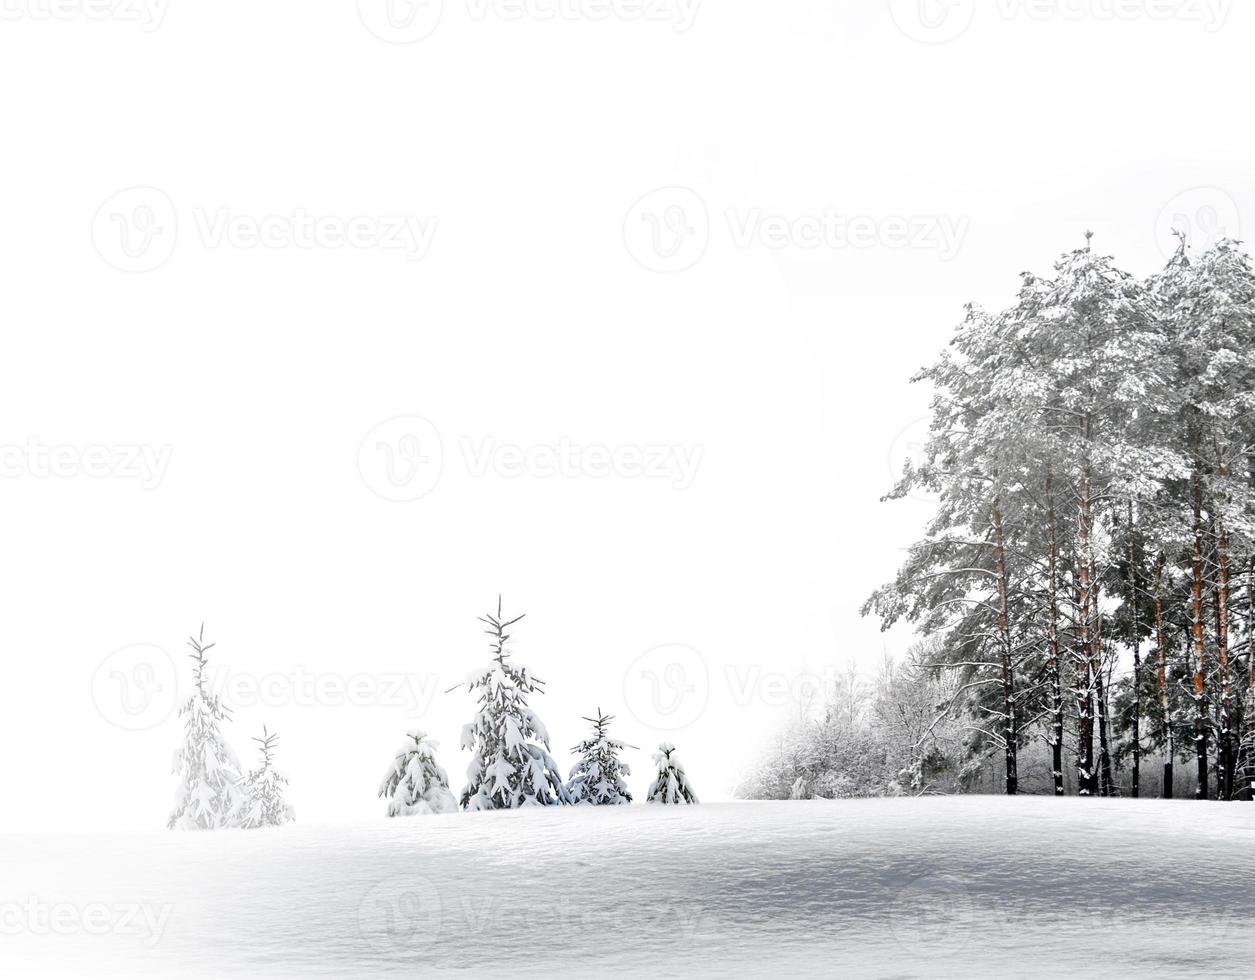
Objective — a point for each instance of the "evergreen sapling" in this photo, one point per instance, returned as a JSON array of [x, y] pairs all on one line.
[[671, 785], [208, 796], [598, 776], [416, 785], [511, 765], [264, 805]]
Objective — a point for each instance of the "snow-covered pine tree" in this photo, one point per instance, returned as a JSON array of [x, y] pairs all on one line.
[[264, 805], [598, 776], [969, 578], [511, 765], [1092, 382], [209, 795], [671, 785], [1209, 305], [416, 785]]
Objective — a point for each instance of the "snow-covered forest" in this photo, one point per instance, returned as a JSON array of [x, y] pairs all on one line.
[[1086, 584], [872, 736]]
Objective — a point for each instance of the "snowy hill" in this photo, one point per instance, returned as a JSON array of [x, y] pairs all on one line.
[[887, 888]]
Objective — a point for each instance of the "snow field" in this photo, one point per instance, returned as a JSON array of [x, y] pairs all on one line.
[[936, 887]]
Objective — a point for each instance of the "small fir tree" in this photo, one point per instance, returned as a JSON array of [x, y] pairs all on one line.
[[264, 805], [208, 796], [511, 765], [671, 785], [416, 785], [598, 777]]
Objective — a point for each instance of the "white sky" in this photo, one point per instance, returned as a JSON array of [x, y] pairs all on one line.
[[529, 321]]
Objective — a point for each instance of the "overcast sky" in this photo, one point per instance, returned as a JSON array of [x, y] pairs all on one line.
[[326, 332]]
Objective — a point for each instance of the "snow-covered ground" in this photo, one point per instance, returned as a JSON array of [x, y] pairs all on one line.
[[956, 887]]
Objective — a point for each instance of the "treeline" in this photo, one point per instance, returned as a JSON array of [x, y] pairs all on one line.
[[1088, 577], [873, 736]]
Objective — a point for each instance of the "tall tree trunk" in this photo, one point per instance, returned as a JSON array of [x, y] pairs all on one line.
[[1200, 646], [1137, 662], [1248, 776], [1087, 775], [1164, 704], [1010, 732], [1225, 744], [1106, 781], [1052, 644]]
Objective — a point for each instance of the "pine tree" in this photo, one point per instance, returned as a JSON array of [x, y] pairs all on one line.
[[416, 785], [209, 795], [671, 785], [1102, 372], [1247, 765], [598, 776], [968, 579], [511, 765], [1209, 306], [264, 805]]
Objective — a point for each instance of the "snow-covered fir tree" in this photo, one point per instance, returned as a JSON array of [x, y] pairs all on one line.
[[209, 794], [511, 765], [671, 784], [598, 776], [264, 805], [416, 785]]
